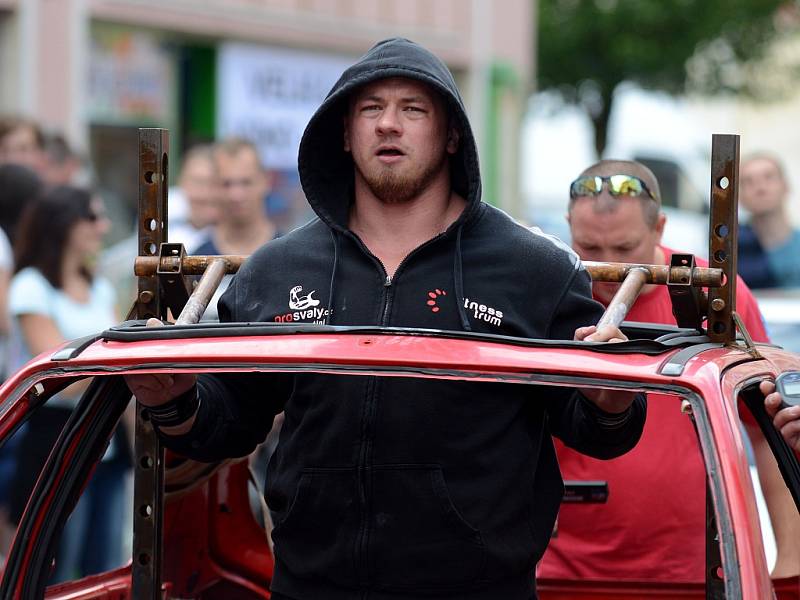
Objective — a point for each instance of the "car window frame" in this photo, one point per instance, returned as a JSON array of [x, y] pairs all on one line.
[[35, 580]]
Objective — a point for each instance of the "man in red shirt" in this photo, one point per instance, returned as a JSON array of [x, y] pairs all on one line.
[[653, 525]]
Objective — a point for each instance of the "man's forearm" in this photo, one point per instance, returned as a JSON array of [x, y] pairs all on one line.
[[177, 416], [780, 506], [610, 401], [604, 434]]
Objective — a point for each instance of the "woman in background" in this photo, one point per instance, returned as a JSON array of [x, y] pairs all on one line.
[[54, 297], [18, 187]]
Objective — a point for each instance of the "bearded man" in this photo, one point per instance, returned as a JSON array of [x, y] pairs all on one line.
[[395, 487]]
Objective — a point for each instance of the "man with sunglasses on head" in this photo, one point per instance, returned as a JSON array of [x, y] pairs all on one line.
[[652, 527]]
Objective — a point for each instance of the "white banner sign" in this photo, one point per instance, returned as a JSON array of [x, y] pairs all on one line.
[[267, 95]]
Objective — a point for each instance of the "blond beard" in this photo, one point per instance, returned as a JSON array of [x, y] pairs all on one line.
[[391, 188]]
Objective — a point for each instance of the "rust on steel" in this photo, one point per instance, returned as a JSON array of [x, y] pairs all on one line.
[[201, 296], [623, 300], [174, 287], [148, 487], [188, 265], [723, 235], [599, 271], [659, 274], [152, 215]]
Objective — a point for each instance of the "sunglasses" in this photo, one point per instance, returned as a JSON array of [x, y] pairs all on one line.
[[618, 185], [94, 216]]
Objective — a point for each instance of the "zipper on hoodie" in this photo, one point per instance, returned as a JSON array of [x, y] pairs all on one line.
[[367, 431], [365, 456], [387, 284]]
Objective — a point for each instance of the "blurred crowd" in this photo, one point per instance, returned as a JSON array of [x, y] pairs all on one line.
[[60, 280]]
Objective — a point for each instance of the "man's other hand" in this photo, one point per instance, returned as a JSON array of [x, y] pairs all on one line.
[[155, 389], [610, 401], [607, 333], [786, 420]]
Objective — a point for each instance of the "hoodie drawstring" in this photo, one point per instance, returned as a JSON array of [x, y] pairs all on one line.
[[458, 276], [332, 286]]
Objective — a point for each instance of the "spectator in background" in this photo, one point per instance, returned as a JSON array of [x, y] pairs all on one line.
[[657, 491], [22, 143], [768, 246], [18, 186], [56, 297], [62, 165], [194, 205], [243, 226]]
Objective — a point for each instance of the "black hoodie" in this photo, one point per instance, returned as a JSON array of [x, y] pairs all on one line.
[[402, 488]]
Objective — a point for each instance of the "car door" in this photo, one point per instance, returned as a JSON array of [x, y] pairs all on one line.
[[742, 384]]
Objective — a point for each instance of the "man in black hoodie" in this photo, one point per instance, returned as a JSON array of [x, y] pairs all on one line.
[[401, 488]]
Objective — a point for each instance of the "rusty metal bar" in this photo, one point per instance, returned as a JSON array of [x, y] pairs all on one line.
[[148, 487], [202, 294], [623, 300], [659, 274], [188, 265], [599, 271], [723, 233]]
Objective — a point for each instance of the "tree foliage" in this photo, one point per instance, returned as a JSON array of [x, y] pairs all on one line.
[[588, 47]]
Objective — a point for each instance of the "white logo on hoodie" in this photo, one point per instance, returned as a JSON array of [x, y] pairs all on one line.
[[482, 312], [298, 302]]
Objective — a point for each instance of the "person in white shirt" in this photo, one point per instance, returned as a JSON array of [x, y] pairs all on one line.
[[55, 297]]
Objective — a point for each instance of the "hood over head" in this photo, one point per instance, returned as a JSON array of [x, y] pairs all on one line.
[[327, 171]]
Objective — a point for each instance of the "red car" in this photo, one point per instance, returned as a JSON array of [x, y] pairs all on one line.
[[215, 547], [195, 534]]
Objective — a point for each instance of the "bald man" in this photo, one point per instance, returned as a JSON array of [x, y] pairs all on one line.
[[657, 491], [768, 244]]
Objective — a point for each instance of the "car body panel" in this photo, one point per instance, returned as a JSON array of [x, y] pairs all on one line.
[[708, 380]]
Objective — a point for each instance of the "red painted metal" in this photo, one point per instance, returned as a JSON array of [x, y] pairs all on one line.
[[216, 551], [114, 585], [787, 588], [362, 350], [217, 548], [215, 544]]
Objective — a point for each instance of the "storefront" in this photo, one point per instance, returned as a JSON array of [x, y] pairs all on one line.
[[97, 70], [132, 82]]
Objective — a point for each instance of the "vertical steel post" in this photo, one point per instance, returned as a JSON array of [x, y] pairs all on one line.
[[723, 234], [148, 493]]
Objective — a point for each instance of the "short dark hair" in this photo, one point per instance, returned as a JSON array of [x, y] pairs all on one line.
[[19, 186], [11, 123], [44, 229], [232, 146], [768, 156], [651, 207], [58, 149]]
